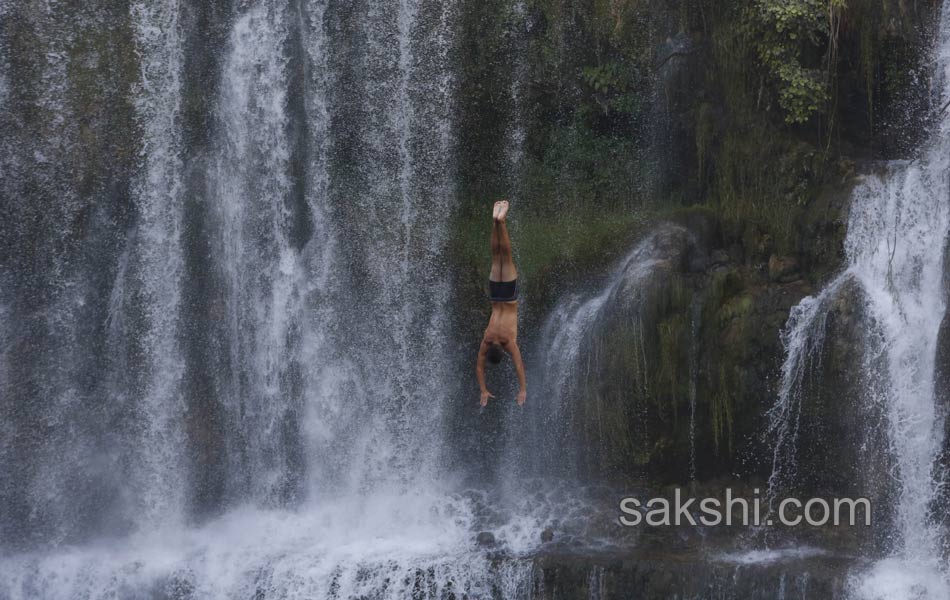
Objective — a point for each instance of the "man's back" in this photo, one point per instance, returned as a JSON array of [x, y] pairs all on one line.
[[503, 323]]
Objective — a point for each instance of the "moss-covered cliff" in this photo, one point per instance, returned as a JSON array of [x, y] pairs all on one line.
[[746, 122]]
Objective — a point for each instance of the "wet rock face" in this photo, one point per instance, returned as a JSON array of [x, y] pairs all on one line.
[[683, 356], [782, 268], [485, 538], [683, 371], [842, 449], [683, 368], [634, 337]]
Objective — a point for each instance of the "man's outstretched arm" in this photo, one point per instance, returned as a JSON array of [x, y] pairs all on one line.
[[519, 367], [480, 374]]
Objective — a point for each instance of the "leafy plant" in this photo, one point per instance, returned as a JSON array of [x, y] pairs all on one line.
[[604, 78], [613, 86], [783, 31]]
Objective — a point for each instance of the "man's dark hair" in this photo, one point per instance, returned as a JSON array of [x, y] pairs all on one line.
[[495, 353]]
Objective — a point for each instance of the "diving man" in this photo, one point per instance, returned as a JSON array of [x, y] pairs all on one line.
[[501, 335]]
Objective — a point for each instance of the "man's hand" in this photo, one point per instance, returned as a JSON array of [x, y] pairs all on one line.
[[521, 397], [485, 396]]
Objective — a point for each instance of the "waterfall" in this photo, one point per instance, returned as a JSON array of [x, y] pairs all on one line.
[[396, 184], [897, 233], [242, 371], [517, 129], [158, 271], [258, 213], [571, 353]]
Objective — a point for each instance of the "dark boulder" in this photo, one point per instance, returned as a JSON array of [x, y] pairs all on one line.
[[485, 538]]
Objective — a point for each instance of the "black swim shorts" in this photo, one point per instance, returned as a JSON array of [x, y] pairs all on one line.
[[503, 291]]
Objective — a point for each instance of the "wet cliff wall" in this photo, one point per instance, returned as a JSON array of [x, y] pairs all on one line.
[[748, 123]]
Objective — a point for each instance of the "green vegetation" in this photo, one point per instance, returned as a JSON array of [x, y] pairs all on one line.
[[743, 107], [783, 32]]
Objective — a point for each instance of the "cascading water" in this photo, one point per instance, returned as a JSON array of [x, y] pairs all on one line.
[[571, 337], [280, 270], [897, 233], [154, 273], [519, 76]]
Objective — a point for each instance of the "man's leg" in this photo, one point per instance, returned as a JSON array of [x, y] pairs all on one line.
[[502, 262]]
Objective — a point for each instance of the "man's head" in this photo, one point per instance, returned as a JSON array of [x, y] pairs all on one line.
[[495, 353]]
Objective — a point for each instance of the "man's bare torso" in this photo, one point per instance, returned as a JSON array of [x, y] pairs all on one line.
[[503, 323]]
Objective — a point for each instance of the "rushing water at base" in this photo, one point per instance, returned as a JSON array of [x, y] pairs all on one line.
[[347, 549]]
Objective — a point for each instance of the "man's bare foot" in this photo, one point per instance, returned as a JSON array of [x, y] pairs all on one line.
[[496, 211], [502, 210]]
